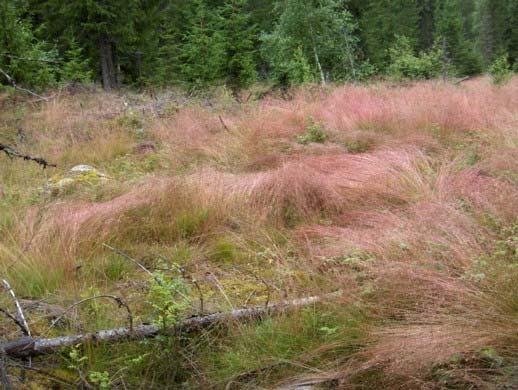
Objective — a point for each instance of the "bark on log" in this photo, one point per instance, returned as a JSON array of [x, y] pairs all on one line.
[[29, 346]]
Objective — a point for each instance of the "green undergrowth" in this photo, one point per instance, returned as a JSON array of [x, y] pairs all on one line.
[[250, 354]]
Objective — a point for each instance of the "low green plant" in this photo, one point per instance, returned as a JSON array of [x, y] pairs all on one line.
[[100, 379], [169, 298], [78, 362], [314, 133], [359, 145]]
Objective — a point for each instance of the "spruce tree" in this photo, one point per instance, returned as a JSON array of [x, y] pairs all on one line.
[[459, 51], [493, 23], [238, 34], [382, 21], [104, 29], [511, 37], [202, 52]]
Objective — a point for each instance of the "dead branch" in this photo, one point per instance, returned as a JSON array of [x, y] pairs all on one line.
[[15, 320], [29, 346], [13, 153], [30, 59], [120, 302], [45, 374], [21, 317], [260, 279], [16, 86], [200, 293], [466, 78], [215, 280], [223, 123], [128, 257], [193, 280]]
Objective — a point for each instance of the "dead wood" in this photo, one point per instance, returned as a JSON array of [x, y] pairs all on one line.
[[16, 86], [29, 346], [13, 153]]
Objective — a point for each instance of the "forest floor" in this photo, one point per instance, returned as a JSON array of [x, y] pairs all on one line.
[[403, 197]]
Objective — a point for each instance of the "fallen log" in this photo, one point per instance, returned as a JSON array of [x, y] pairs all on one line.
[[29, 346]]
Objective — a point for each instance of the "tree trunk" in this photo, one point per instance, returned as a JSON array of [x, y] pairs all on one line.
[[108, 70], [317, 60]]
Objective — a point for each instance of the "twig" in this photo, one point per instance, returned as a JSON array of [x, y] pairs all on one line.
[[259, 278], [45, 374], [193, 281], [29, 59], [15, 320], [119, 301], [155, 278], [221, 289], [15, 86], [21, 317], [12, 153], [268, 287], [34, 346], [223, 123], [128, 257], [200, 293], [462, 80]]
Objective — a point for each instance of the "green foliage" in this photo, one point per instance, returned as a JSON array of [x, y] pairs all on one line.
[[297, 70], [500, 70], [239, 37], [382, 21], [324, 33], [254, 346], [314, 133], [78, 362], [27, 60], [168, 296], [202, 53], [404, 64], [75, 67], [449, 33], [207, 43], [223, 251], [100, 379]]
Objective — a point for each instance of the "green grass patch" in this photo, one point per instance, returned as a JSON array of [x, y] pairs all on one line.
[[261, 350]]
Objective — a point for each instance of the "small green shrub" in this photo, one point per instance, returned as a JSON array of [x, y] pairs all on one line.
[[101, 379], [359, 145], [500, 70], [168, 296], [314, 133]]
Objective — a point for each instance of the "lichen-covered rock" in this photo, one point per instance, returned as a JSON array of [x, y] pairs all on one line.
[[84, 169], [79, 174]]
